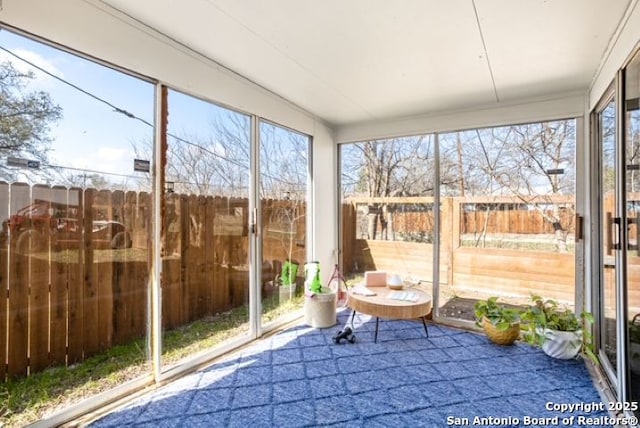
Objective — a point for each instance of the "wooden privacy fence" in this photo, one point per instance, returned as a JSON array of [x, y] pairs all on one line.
[[206, 252], [69, 295], [499, 271], [473, 215]]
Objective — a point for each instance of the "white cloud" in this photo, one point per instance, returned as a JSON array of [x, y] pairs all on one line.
[[34, 58], [111, 153]]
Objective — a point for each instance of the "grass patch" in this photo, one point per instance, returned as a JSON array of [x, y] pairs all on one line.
[[28, 400]]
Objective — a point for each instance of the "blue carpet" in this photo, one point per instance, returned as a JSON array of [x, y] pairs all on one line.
[[301, 378]]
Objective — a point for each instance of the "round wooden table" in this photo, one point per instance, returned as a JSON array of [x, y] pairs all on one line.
[[383, 305]]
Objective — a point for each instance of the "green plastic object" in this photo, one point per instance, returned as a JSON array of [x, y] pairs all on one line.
[[289, 273], [312, 277]]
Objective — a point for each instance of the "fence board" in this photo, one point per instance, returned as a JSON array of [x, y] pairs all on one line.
[[38, 277], [3, 310], [4, 280], [235, 279], [197, 279], [76, 279], [90, 296], [172, 305], [208, 252], [120, 315], [494, 285], [103, 278], [138, 272], [515, 272], [171, 285], [58, 297], [120, 311], [523, 264], [142, 270], [187, 296], [39, 314], [18, 305], [348, 231], [633, 284], [410, 259], [219, 244], [18, 316], [127, 327]]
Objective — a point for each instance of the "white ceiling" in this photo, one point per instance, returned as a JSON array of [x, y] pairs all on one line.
[[366, 60]]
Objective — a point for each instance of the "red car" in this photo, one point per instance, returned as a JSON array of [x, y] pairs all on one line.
[[34, 226]]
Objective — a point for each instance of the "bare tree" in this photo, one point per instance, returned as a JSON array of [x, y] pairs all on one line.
[[213, 162], [545, 166], [532, 162], [386, 168], [25, 119]]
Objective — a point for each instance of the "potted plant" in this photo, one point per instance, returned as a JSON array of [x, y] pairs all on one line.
[[284, 219], [556, 329], [500, 323]]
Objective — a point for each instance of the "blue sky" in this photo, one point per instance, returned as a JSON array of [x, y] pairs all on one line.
[[90, 135]]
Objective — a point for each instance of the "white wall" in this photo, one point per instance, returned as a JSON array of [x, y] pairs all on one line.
[[325, 233], [562, 106], [94, 30], [625, 41]]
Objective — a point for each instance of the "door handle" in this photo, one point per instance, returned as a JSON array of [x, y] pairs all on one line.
[[613, 236], [579, 227], [253, 222], [609, 236], [616, 236]]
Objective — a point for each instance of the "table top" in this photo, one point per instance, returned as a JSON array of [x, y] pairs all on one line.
[[382, 305]]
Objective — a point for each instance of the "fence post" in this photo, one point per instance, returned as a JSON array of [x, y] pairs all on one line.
[[448, 236]]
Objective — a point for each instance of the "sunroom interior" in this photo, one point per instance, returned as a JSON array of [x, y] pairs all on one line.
[[217, 146]]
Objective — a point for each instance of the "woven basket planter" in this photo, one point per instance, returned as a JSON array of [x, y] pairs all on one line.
[[501, 337]]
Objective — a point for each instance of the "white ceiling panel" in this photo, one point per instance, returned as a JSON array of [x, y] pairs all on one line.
[[544, 46], [367, 60]]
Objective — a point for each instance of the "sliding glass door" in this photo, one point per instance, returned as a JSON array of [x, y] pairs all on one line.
[[205, 245], [283, 196], [606, 135], [631, 288], [617, 136]]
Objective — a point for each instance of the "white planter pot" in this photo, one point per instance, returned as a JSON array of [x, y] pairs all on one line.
[[562, 344]]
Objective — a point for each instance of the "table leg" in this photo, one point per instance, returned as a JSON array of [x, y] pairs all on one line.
[[375, 337], [424, 323]]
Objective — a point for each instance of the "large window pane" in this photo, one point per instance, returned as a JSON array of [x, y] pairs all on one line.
[[74, 258], [508, 196], [387, 208], [205, 239], [284, 166]]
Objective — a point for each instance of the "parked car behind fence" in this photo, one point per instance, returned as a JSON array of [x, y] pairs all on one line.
[[32, 228]]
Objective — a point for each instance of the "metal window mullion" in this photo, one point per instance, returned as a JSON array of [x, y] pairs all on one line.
[[255, 230], [155, 301], [310, 230], [436, 227], [621, 253]]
